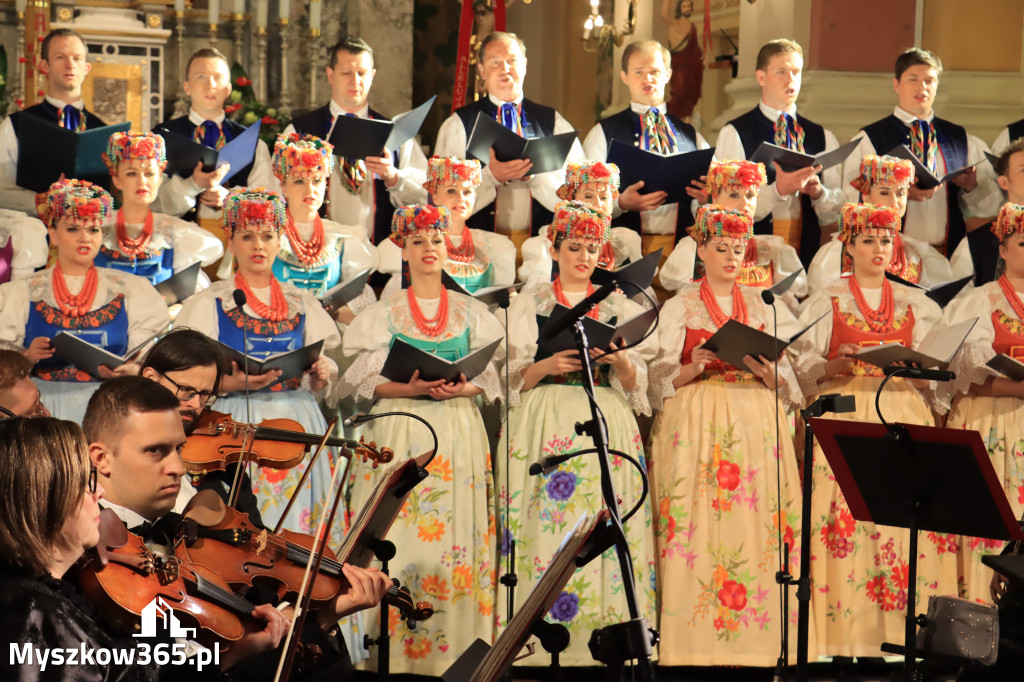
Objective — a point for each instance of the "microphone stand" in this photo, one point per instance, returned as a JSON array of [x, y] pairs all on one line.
[[620, 642], [509, 580], [239, 297]]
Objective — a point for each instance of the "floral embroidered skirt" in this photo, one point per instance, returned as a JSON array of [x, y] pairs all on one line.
[[859, 571], [1000, 420], [713, 473], [544, 508], [444, 534], [274, 487]]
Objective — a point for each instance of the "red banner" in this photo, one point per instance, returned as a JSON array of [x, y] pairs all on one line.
[[465, 33]]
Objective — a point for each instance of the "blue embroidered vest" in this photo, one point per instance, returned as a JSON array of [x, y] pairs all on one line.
[[157, 266], [318, 278], [265, 337], [106, 327], [450, 349]]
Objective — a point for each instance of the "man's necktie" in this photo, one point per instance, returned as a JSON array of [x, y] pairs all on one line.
[[353, 172], [788, 133], [71, 118], [922, 142], [508, 116], [209, 134], [658, 134]]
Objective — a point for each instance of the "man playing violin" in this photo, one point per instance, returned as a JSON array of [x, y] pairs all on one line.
[[135, 434]]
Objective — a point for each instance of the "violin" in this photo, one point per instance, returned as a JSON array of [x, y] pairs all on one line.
[[219, 440], [217, 535], [125, 577]]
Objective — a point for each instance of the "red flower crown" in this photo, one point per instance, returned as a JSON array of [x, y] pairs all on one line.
[[408, 220], [1009, 220], [856, 218]]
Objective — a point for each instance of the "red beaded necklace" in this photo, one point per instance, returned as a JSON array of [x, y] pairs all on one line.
[[133, 247], [432, 327], [560, 295], [898, 264], [739, 306], [307, 252], [1011, 297], [881, 320], [278, 308], [74, 305], [464, 253]]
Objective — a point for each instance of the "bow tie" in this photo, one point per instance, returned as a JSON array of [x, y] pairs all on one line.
[[162, 531]]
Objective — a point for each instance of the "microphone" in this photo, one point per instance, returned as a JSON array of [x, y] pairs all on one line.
[[356, 419], [239, 296], [548, 464], [768, 296], [917, 373], [552, 330]]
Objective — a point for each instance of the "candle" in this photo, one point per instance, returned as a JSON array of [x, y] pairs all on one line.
[[261, 13], [239, 7], [214, 12], [19, 5], [314, 15], [284, 10]]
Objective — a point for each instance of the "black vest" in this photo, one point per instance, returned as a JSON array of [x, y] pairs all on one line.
[[186, 128], [984, 254], [625, 127], [1016, 129], [538, 121], [318, 122], [891, 132], [754, 128]]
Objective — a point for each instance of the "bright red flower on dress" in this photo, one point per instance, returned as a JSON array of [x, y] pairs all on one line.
[[733, 595], [728, 475], [877, 589]]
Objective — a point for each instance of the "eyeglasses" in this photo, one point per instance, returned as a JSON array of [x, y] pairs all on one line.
[[186, 393], [92, 480], [37, 409]]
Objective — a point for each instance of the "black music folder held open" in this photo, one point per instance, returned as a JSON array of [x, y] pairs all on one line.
[[925, 178], [404, 359], [183, 154], [639, 273], [89, 357], [356, 138], [46, 151], [180, 285], [734, 340], [340, 294], [488, 295], [671, 174], [936, 349], [292, 363], [791, 160], [547, 153], [599, 334], [942, 293]]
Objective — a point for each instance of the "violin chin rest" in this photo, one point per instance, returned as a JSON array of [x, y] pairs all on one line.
[[206, 508]]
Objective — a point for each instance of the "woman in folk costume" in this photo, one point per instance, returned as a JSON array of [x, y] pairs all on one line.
[[718, 517], [883, 181], [23, 247], [596, 184], [147, 244], [982, 399], [859, 571], [316, 254], [477, 259], [445, 533], [111, 309], [277, 317], [734, 185], [547, 400]]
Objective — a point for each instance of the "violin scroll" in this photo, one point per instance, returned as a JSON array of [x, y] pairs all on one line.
[[369, 452], [399, 597]]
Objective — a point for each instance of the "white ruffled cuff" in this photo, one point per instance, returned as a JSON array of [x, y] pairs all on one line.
[[660, 376], [971, 367], [490, 382], [636, 398], [363, 377], [808, 373], [516, 381], [362, 301]]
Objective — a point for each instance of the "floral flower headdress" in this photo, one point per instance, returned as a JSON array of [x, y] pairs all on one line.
[[856, 218], [408, 220], [123, 147], [1010, 220], [577, 220], [305, 155], [579, 174], [451, 170], [888, 170], [253, 206], [77, 199], [715, 221], [742, 173]]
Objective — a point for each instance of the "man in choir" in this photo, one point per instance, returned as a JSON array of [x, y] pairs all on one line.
[[648, 125], [793, 205], [19, 397], [942, 215], [363, 192], [208, 85], [510, 200], [64, 61]]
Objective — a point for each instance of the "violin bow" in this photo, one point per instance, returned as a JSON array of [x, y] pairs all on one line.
[[291, 642], [248, 440], [305, 475]]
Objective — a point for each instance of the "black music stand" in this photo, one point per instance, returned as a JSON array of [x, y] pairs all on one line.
[[935, 479]]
